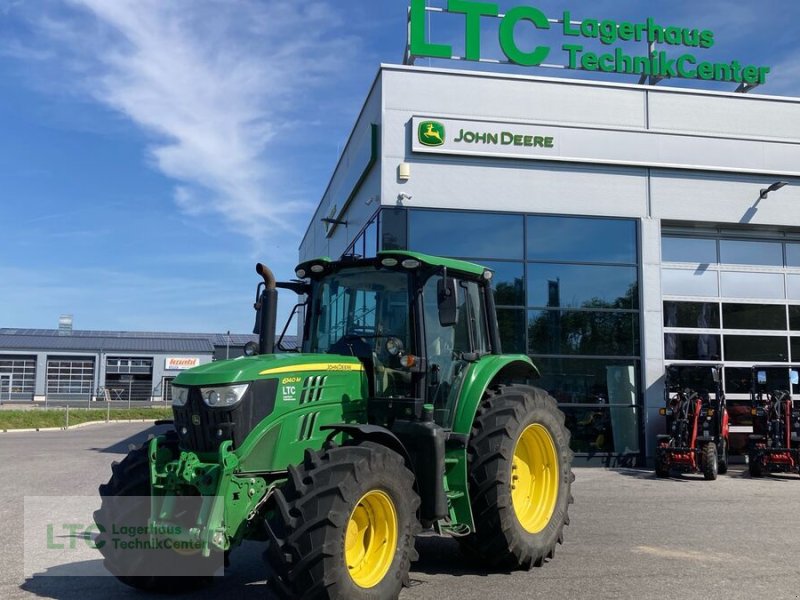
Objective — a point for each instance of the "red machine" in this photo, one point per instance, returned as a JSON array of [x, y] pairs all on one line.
[[774, 446], [697, 423]]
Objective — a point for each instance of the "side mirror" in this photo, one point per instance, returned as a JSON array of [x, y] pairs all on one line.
[[447, 298]]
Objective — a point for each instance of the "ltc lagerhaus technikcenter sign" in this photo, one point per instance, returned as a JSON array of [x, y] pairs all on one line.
[[527, 19]]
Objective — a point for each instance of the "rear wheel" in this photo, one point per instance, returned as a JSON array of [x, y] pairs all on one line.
[[519, 478], [754, 466], [723, 456], [710, 461], [131, 478], [343, 525], [662, 465]]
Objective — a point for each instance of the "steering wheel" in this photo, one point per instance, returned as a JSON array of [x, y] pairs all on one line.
[[352, 344]]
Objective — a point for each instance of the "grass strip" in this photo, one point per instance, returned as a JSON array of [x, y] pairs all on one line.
[[57, 417]]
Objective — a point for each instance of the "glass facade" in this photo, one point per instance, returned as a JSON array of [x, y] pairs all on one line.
[[729, 300], [567, 294]]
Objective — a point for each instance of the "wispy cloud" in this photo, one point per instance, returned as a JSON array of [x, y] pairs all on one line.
[[211, 82]]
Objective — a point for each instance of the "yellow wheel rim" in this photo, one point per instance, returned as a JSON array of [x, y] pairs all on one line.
[[371, 539], [534, 478]]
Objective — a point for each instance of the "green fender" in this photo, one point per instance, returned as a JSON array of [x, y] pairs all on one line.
[[479, 377]]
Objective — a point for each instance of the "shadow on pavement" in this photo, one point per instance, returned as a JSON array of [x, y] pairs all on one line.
[[244, 580], [122, 446]]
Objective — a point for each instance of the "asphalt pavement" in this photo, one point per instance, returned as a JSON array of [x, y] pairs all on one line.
[[631, 535]]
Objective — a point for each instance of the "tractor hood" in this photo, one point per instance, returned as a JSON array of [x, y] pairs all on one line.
[[251, 368]]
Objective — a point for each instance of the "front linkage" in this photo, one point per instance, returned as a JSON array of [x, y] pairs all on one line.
[[228, 504]]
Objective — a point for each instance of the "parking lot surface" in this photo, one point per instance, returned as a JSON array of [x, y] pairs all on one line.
[[631, 535]]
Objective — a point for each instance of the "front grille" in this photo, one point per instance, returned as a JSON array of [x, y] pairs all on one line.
[[202, 428]]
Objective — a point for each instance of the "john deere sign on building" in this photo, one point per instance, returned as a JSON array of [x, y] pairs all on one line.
[[522, 23]]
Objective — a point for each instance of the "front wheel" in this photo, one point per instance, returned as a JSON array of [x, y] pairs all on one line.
[[710, 461], [343, 525], [519, 477]]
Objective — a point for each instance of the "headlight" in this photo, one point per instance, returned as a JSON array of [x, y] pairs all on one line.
[[394, 346], [223, 395], [179, 395]]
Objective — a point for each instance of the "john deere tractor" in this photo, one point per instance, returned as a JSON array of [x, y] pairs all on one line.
[[399, 413]]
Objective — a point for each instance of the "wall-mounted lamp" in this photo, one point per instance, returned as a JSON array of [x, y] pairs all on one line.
[[331, 221], [773, 188], [404, 171], [403, 196]]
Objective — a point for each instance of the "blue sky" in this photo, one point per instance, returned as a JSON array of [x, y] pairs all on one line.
[[151, 151]]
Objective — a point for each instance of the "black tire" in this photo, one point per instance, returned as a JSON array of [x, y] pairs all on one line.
[[307, 522], [500, 540], [754, 466], [723, 457], [131, 477], [662, 466], [710, 461]]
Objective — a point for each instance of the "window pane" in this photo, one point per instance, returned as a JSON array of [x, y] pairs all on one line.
[[583, 332], [794, 318], [691, 346], [371, 240], [582, 286], [511, 324], [703, 315], [507, 282], [737, 380], [753, 316], [603, 429], [581, 239], [756, 348], [793, 255], [793, 286], [795, 349], [752, 285], [751, 253], [697, 282], [394, 234], [585, 380], [697, 378], [465, 234], [692, 250]]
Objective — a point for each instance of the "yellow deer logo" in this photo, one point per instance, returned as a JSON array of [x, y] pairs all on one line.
[[431, 133]]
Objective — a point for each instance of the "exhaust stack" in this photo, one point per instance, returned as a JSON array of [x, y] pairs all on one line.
[[267, 307]]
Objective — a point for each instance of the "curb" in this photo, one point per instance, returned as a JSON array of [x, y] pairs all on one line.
[[78, 426]]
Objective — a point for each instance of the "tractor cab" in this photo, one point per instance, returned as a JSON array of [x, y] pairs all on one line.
[[414, 321]]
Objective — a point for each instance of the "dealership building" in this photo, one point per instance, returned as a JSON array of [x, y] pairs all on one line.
[[629, 227], [66, 365]]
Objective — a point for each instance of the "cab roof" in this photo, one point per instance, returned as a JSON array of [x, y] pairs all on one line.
[[452, 264]]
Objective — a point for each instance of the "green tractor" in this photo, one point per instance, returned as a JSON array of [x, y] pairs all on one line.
[[399, 413]]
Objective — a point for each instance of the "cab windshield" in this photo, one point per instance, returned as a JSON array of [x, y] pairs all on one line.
[[362, 311]]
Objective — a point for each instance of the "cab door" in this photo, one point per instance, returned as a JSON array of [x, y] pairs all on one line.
[[456, 335]]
